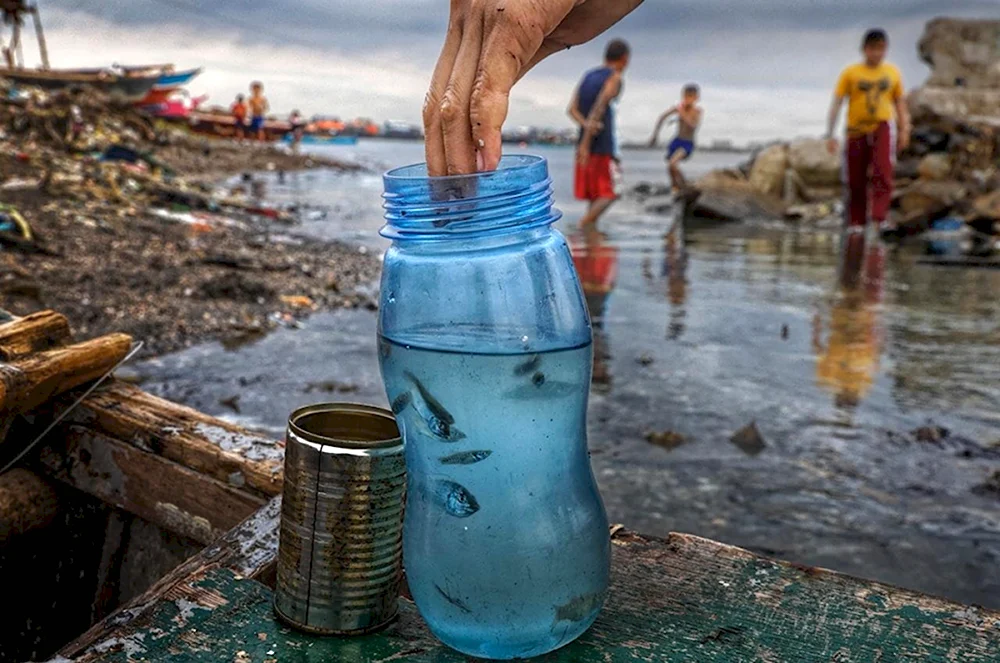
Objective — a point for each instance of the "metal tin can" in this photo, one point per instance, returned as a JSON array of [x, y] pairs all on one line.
[[340, 552]]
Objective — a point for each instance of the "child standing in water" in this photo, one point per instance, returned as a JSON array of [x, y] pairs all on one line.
[[258, 109], [239, 113], [689, 116]]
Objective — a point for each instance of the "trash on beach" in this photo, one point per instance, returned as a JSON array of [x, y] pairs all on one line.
[[749, 439], [667, 439]]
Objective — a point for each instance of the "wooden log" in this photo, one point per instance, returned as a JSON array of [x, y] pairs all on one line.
[[27, 502], [185, 436], [36, 379], [247, 551], [162, 492], [36, 332]]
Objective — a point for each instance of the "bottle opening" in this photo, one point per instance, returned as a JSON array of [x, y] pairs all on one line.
[[517, 195]]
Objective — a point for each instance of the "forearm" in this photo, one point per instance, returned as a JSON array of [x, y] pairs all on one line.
[[834, 116], [577, 116], [902, 117], [593, 120]]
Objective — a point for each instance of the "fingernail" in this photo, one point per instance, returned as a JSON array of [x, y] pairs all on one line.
[[480, 161]]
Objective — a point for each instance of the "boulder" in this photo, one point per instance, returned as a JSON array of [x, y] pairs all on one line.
[[767, 175], [935, 167], [927, 194], [723, 178], [962, 53], [813, 163], [735, 205], [979, 104]]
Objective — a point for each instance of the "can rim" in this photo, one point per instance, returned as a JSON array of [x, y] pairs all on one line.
[[377, 414]]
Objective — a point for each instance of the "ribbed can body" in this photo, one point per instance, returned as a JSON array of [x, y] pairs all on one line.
[[340, 553]]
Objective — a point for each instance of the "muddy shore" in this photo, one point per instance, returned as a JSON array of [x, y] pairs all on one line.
[[113, 253]]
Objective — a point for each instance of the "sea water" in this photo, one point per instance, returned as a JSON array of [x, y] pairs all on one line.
[[505, 540]]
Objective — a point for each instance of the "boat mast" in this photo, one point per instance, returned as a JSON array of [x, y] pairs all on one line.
[[43, 49], [13, 15]]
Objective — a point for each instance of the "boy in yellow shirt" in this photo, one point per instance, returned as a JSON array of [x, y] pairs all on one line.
[[874, 90]]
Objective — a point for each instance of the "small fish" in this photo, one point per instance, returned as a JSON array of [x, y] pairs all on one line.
[[455, 498], [580, 607], [438, 419], [400, 402], [455, 601], [545, 388], [528, 366], [538, 379], [465, 457]]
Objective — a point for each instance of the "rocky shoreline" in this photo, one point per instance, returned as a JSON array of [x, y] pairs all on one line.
[[129, 232], [951, 171]]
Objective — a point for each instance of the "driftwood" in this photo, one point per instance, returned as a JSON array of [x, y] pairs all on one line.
[[33, 333], [33, 380]]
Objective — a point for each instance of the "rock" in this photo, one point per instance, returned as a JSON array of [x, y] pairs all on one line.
[[723, 178], [991, 486], [962, 53], [645, 359], [931, 433], [737, 204], [812, 161], [987, 206], [767, 175], [667, 439], [749, 439], [954, 102], [930, 197], [935, 167], [811, 212]]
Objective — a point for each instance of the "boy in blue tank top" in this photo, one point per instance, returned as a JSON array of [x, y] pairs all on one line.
[[597, 177]]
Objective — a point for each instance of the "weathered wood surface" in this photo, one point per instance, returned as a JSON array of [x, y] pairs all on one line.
[[37, 332], [680, 599], [163, 492], [185, 436], [33, 380], [244, 553]]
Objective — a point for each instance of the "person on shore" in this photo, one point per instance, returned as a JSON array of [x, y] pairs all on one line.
[[874, 91], [689, 116], [239, 112], [298, 129], [489, 46], [258, 110], [598, 173]]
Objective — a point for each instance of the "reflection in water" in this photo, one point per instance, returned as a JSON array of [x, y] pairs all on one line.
[[846, 364], [675, 271], [596, 263]]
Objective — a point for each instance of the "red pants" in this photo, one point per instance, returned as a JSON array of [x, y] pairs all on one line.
[[869, 174]]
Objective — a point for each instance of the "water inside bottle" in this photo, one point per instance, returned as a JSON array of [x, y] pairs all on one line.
[[505, 542]]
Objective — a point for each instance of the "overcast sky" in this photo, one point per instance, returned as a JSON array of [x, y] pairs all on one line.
[[766, 66]]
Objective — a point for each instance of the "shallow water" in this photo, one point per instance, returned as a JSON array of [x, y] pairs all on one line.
[[701, 333]]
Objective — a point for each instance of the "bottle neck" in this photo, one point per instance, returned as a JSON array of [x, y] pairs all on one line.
[[509, 204]]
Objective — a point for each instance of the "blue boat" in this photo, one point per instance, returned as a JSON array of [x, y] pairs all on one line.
[[312, 139], [175, 79]]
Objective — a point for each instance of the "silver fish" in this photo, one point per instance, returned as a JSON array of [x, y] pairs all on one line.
[[400, 402], [541, 387], [439, 421], [528, 366], [580, 607], [465, 457], [455, 498]]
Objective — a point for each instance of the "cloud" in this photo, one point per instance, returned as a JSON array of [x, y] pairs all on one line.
[[766, 66]]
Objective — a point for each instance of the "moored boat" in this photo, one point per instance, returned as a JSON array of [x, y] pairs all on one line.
[[124, 87]]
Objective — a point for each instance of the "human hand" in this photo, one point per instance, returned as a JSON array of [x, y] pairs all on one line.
[[832, 145], [594, 127], [489, 46], [903, 140], [582, 154]]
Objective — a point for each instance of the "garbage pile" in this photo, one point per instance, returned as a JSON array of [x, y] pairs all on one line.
[[120, 223]]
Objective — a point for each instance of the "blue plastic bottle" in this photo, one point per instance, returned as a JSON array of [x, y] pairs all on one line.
[[485, 349]]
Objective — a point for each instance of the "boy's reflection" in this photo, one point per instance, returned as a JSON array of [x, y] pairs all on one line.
[[675, 271], [596, 263], [847, 364]]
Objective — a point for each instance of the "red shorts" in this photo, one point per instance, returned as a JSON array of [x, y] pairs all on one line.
[[597, 179]]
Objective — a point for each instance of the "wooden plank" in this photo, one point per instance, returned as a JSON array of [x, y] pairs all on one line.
[[36, 332], [680, 599], [244, 553], [166, 494], [185, 436]]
